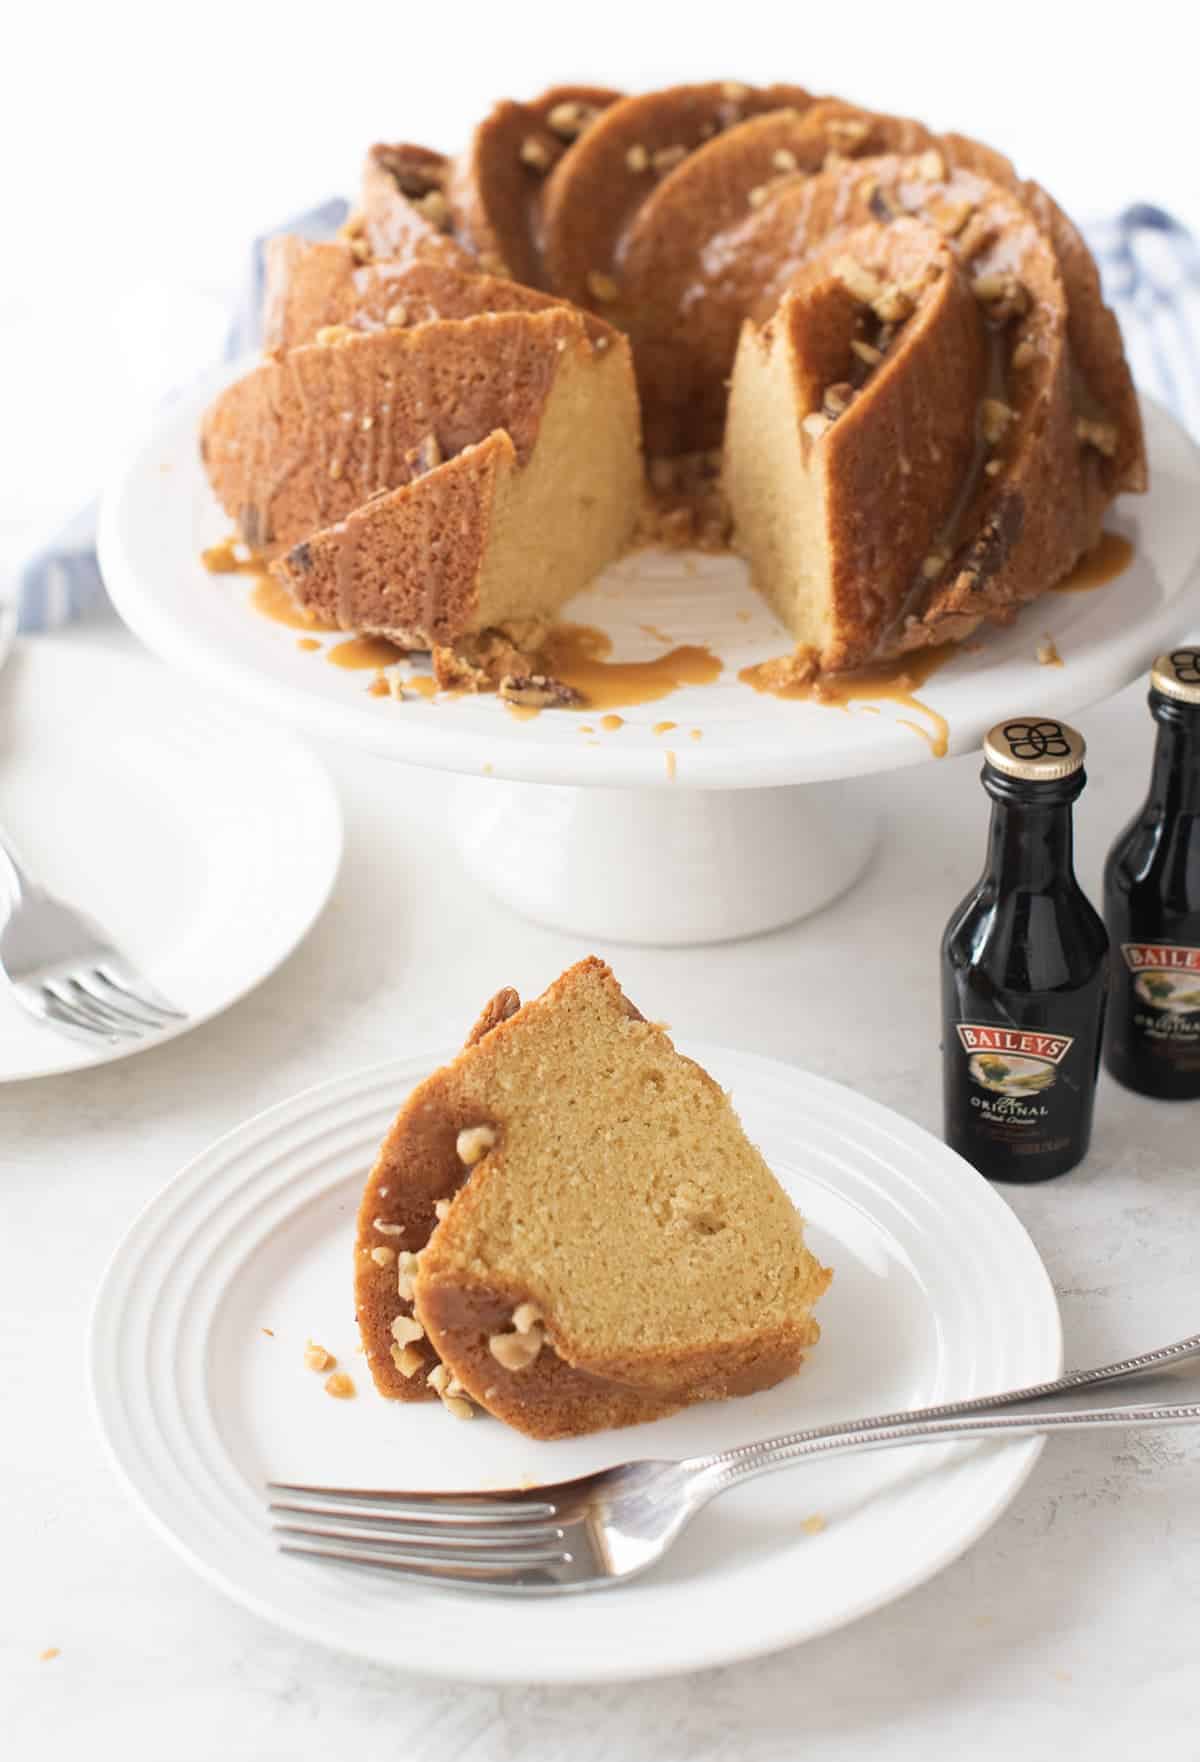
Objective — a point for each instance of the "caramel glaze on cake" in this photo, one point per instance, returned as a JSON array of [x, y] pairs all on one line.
[[702, 224], [574, 1226]]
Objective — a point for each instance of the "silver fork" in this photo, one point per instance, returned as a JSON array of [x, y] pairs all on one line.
[[603, 1528], [64, 970]]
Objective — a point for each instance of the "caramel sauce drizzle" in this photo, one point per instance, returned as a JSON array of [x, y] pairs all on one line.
[[894, 681], [1111, 557], [578, 655], [360, 652], [272, 599]]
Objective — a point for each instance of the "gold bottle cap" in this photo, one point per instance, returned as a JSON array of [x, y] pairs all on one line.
[[1037, 749], [1177, 675]]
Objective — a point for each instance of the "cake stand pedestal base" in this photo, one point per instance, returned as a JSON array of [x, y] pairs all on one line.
[[660, 867]]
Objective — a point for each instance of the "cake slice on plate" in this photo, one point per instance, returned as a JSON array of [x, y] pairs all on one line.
[[568, 1227]]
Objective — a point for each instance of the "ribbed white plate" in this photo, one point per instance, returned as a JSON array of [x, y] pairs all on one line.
[[159, 514], [204, 842], [938, 1294]]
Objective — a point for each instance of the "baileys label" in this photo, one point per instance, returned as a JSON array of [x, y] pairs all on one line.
[[1012, 1061], [1166, 975]]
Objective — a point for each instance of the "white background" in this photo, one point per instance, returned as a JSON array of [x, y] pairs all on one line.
[[141, 148]]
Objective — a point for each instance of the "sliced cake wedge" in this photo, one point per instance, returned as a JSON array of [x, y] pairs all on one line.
[[584, 1235]]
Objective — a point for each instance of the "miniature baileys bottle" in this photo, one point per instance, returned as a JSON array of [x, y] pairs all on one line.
[[1152, 903], [1024, 970]]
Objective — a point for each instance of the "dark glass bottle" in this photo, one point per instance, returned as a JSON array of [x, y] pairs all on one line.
[[1152, 903], [1024, 970]]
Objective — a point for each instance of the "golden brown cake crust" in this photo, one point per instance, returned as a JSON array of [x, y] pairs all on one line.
[[316, 287], [303, 441], [495, 186], [405, 216], [596, 188]]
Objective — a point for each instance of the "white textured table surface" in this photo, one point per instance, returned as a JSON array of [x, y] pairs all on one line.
[[1071, 1625]]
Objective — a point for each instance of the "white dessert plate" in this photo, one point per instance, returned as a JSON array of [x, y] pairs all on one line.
[[206, 843], [200, 1391], [159, 514]]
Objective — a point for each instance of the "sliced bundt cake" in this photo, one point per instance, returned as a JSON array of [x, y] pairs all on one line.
[[431, 482], [568, 1227], [415, 362]]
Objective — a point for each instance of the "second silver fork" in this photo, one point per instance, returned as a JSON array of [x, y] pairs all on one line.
[[64, 969]]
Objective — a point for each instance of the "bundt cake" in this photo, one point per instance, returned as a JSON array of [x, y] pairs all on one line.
[[894, 351], [568, 1227]]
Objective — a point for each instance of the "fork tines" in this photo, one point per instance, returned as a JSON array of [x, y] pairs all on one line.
[[505, 1541]]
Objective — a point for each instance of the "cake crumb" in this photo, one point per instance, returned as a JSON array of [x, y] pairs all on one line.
[[1047, 653], [812, 1526], [269, 1332], [316, 1357], [669, 756], [50, 1652], [340, 1386]]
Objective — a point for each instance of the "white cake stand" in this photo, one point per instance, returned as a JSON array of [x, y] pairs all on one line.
[[740, 818]]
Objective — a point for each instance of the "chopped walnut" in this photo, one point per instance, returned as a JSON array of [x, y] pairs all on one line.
[[439, 1379], [435, 208], [441, 1210], [525, 1316], [535, 152], [459, 1407], [385, 1229], [473, 1143], [340, 1385], [994, 419], [758, 195], [894, 304], [931, 166], [993, 468], [1001, 295], [602, 287], [406, 1272], [783, 159], [535, 691], [397, 314], [1101, 435], [316, 1357], [516, 1351], [815, 424], [637, 158], [406, 1329], [848, 130], [837, 398], [857, 280], [949, 217], [568, 120], [408, 1360], [933, 564], [330, 335], [383, 1256], [866, 352], [425, 456], [667, 158]]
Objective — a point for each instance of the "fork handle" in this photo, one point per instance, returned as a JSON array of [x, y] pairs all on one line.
[[775, 1453], [17, 879], [1021, 1407]]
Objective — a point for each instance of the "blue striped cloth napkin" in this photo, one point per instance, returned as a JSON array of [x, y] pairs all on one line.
[[1151, 270]]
